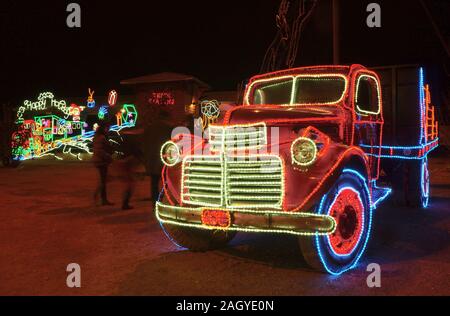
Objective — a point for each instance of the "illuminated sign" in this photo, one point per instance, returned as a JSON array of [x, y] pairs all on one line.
[[45, 101], [162, 98]]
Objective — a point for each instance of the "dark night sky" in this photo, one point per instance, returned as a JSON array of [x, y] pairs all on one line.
[[220, 42]]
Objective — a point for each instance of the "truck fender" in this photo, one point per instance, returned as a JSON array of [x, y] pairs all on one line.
[[346, 157]]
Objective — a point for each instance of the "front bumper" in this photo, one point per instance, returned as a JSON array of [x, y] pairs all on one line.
[[303, 224]]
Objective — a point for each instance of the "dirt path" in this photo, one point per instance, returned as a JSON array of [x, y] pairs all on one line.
[[47, 221]]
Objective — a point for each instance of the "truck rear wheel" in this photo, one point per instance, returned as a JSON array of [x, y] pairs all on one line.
[[349, 203], [411, 183], [418, 183]]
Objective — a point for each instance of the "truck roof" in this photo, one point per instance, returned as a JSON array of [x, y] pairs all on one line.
[[323, 69]]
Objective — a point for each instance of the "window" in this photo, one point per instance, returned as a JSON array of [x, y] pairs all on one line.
[[273, 92], [324, 90], [367, 95], [302, 90]]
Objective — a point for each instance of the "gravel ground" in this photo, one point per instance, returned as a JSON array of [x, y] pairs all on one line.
[[47, 220]]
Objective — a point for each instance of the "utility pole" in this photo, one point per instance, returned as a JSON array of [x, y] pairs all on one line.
[[336, 32]]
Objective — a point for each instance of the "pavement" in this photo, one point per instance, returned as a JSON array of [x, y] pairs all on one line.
[[48, 220]]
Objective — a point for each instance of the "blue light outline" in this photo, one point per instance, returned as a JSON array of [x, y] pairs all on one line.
[[422, 140], [422, 102], [425, 197], [401, 147], [163, 228], [356, 261], [382, 198], [401, 157]]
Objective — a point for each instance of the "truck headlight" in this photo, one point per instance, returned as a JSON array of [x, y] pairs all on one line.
[[170, 154], [304, 152]]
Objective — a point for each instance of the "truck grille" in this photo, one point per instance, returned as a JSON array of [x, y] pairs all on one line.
[[226, 138], [203, 181], [235, 182]]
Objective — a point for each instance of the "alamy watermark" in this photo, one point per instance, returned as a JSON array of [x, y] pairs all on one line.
[[374, 278], [74, 18], [374, 18], [74, 278]]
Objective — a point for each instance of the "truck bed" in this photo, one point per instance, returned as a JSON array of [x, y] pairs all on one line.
[[407, 119]]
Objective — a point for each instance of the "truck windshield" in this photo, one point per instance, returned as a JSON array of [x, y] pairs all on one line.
[[300, 91]]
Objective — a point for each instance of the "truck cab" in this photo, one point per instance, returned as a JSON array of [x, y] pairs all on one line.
[[301, 156]]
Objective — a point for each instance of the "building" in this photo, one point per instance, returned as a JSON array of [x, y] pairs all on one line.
[[169, 91]]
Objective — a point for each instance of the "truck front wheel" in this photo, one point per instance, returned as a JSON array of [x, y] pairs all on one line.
[[348, 202]]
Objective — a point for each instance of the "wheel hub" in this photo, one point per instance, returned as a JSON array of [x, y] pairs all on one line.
[[348, 222], [348, 211]]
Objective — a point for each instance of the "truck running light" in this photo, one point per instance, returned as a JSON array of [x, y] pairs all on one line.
[[304, 152], [170, 154]]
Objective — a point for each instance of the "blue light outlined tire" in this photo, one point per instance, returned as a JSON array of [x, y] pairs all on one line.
[[418, 183], [348, 201]]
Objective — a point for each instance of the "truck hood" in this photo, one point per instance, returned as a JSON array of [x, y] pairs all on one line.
[[283, 115]]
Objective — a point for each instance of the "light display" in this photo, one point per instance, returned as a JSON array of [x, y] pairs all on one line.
[[64, 132], [304, 152], [431, 127], [422, 105], [45, 101], [90, 99], [40, 135], [242, 136], [112, 98], [119, 117], [295, 79], [20, 142], [328, 228], [331, 170], [318, 178], [103, 112], [385, 194], [378, 89], [129, 114], [170, 154], [348, 209], [216, 219], [210, 112], [162, 98], [321, 251], [404, 152], [425, 182], [427, 142], [221, 178], [75, 112]]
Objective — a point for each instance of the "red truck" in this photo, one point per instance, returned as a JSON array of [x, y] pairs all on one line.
[[309, 153]]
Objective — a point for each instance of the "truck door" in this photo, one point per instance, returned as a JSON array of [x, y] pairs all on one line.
[[367, 104]]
